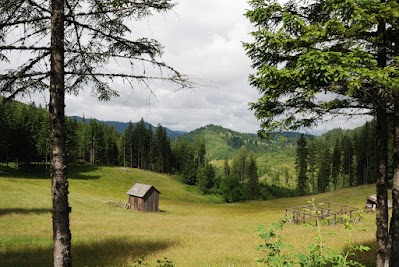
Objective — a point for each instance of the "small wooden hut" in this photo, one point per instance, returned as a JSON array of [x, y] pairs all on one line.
[[372, 202], [143, 197]]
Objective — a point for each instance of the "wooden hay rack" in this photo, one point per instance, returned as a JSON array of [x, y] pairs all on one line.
[[331, 213]]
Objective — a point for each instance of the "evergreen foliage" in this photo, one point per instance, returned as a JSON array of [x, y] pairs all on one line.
[[301, 165], [319, 58], [324, 174], [206, 178], [341, 158], [231, 189], [25, 141]]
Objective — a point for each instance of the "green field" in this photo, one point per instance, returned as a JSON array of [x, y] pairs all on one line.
[[191, 230]]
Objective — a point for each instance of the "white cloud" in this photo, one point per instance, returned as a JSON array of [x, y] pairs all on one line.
[[202, 39]]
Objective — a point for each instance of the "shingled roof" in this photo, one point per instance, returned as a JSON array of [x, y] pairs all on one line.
[[373, 198], [139, 190]]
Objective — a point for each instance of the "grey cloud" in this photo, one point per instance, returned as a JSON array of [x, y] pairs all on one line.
[[202, 39]]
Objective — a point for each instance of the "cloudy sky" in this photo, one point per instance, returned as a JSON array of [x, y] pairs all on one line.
[[202, 39]]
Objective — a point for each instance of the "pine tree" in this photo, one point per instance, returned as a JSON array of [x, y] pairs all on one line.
[[128, 145], [84, 135], [313, 152], [226, 168], [139, 133], [361, 148], [206, 178], [336, 164], [200, 149], [301, 165], [347, 160], [111, 146], [71, 140], [253, 179], [239, 165], [78, 39], [304, 51], [324, 174]]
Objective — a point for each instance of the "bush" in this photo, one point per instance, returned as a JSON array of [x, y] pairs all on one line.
[[231, 189], [274, 191]]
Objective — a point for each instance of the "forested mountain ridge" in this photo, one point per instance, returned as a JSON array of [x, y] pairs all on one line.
[[222, 143], [122, 126]]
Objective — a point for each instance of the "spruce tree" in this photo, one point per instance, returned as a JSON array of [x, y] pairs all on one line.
[[253, 191], [324, 174], [318, 58], [336, 164], [347, 160], [77, 40], [226, 168], [128, 145], [301, 165]]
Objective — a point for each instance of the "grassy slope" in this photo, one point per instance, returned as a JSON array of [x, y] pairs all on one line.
[[272, 155], [191, 230], [216, 147]]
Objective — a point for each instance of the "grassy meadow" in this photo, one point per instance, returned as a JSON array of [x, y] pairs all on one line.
[[191, 229]]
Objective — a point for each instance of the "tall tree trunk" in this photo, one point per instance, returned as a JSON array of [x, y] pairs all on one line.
[[61, 209], [382, 194], [382, 233], [394, 227]]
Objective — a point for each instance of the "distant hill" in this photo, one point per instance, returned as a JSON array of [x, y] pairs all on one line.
[[122, 126], [222, 143]]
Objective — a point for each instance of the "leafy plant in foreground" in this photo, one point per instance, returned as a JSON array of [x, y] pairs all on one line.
[[280, 254]]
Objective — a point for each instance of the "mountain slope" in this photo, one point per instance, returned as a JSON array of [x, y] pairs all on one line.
[[222, 143]]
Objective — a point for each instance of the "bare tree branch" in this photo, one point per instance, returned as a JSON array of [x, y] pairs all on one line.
[[22, 47], [41, 8], [10, 78], [177, 79], [22, 22], [138, 47], [132, 6], [32, 83]]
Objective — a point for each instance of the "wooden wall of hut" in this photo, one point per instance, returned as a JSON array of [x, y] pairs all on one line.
[[149, 203]]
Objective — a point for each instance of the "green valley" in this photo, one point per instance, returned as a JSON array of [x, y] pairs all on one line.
[[190, 230]]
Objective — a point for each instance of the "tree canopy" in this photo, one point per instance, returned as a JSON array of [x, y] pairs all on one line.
[[320, 59]]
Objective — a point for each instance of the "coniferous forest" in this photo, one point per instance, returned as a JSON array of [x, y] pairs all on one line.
[[336, 159], [25, 140]]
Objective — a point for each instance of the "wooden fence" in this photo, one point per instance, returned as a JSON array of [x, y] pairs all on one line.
[[331, 213]]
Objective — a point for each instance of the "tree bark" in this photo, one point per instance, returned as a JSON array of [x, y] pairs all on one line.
[[382, 233], [394, 226], [382, 194], [61, 209]]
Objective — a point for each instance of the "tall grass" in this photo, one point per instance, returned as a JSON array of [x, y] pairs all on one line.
[[190, 230]]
